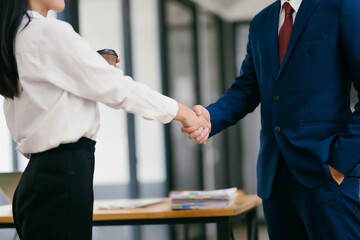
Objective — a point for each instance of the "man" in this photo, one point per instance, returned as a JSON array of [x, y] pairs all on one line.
[[302, 56]]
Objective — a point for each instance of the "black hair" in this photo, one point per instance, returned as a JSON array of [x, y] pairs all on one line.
[[11, 14]]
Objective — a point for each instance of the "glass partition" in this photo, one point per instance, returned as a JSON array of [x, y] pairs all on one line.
[[151, 170], [100, 22], [181, 36], [146, 66], [210, 60], [180, 24]]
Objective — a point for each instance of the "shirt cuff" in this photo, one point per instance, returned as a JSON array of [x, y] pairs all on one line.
[[171, 108]]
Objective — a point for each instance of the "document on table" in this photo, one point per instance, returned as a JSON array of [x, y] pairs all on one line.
[[130, 203], [221, 194], [187, 200]]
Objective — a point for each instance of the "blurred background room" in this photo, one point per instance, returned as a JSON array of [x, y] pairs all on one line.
[[190, 50]]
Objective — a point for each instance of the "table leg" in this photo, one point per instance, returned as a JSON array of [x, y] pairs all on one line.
[[223, 229], [186, 232], [136, 232], [252, 228]]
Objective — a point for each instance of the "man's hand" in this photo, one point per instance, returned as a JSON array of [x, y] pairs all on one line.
[[199, 135], [190, 120], [336, 175]]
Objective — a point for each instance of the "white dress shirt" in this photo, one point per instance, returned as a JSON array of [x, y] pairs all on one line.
[[62, 78], [295, 4]]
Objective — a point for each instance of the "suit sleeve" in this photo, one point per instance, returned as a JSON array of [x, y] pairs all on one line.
[[345, 155], [240, 99]]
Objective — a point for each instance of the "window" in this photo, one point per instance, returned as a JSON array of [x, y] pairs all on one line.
[[146, 65], [101, 24]]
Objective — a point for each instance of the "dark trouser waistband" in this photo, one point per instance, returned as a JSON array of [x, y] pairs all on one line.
[[82, 143]]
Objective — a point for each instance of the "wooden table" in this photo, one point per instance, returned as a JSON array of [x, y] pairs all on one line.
[[244, 206]]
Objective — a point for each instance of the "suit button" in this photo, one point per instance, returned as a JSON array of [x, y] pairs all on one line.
[[277, 129], [276, 98]]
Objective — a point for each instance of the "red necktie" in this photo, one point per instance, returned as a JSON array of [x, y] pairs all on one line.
[[285, 32]]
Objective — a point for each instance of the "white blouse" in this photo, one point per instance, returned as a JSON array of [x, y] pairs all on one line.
[[62, 78]]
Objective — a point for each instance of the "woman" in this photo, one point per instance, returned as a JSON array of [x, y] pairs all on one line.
[[52, 80]]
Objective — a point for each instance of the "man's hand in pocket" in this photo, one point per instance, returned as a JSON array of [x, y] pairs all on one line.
[[336, 175]]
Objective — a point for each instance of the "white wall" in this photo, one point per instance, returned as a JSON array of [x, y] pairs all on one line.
[[237, 10]]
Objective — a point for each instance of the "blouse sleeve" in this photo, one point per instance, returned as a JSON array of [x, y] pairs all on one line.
[[68, 61]]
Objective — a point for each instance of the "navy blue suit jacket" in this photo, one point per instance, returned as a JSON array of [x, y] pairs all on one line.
[[305, 102]]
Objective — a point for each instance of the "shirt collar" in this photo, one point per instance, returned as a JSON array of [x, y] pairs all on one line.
[[295, 4], [34, 14], [25, 20]]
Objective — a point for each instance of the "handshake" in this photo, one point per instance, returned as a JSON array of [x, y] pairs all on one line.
[[196, 123]]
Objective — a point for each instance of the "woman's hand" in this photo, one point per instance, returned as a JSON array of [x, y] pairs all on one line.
[[199, 135], [190, 120], [117, 61]]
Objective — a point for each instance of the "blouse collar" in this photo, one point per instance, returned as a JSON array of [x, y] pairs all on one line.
[[34, 14]]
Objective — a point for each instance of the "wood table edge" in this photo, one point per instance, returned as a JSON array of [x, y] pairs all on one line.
[[225, 212]]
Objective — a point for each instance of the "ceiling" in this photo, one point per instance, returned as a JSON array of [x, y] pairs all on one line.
[[234, 10]]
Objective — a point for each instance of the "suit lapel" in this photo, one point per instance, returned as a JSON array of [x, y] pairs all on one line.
[[307, 8], [273, 38]]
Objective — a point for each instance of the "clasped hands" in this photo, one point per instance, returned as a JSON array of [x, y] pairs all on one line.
[[195, 123]]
